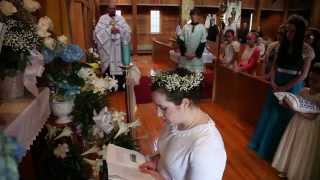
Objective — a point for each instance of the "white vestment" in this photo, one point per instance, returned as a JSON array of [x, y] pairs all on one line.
[[108, 44]]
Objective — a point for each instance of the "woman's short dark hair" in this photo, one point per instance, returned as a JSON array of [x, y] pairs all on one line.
[[176, 96], [195, 11]]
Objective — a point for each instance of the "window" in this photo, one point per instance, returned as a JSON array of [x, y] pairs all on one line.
[[155, 21], [118, 12]]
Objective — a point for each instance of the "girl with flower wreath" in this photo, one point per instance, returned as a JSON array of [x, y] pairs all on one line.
[[190, 146]]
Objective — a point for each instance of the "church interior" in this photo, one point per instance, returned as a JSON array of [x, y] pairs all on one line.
[[79, 75]]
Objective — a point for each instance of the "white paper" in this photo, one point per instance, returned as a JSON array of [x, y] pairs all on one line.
[[124, 164]]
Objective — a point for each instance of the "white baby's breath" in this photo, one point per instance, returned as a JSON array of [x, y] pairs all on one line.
[[174, 82], [7, 8]]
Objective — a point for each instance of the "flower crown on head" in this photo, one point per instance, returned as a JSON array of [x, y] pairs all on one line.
[[174, 82]]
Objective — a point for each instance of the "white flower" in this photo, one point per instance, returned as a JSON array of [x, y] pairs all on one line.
[[63, 39], [61, 150], [103, 120], [112, 83], [86, 73], [43, 33], [66, 132], [49, 43], [100, 85], [125, 127], [7, 8], [94, 149], [31, 5], [90, 50], [118, 116], [45, 24], [95, 55]]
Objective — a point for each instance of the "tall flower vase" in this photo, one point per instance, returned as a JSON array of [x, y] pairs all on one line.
[[11, 87], [62, 110]]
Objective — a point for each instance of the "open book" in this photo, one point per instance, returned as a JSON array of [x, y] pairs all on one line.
[[123, 164], [298, 103]]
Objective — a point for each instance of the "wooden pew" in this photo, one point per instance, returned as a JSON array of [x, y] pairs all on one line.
[[242, 94]]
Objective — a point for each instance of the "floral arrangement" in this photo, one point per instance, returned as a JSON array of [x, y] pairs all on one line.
[[21, 36], [77, 151], [62, 62], [174, 82]]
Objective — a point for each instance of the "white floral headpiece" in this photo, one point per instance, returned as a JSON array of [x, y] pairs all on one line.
[[175, 82]]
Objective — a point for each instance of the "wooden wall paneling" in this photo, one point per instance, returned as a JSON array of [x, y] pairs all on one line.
[[77, 24], [169, 2], [197, 2], [118, 2], [248, 4], [211, 3], [134, 25], [286, 10], [257, 14], [315, 14], [299, 4], [270, 21], [276, 5], [169, 19]]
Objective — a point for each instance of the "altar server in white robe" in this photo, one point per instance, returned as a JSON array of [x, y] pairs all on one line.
[[192, 43]]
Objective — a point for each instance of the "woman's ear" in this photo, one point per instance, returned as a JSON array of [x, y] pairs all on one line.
[[185, 103]]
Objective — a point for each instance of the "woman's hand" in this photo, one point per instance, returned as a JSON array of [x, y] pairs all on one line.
[[190, 56], [153, 173], [149, 165]]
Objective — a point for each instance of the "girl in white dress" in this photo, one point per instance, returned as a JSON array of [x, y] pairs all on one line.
[[298, 156], [190, 147]]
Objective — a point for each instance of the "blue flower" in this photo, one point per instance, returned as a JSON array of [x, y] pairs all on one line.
[[48, 55], [71, 53]]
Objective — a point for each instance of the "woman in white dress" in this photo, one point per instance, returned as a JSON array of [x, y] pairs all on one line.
[[189, 147], [298, 156]]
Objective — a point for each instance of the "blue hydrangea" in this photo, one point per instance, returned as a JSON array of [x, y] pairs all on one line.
[[69, 90], [71, 53]]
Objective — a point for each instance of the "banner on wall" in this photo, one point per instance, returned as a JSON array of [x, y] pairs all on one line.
[[234, 12], [186, 6]]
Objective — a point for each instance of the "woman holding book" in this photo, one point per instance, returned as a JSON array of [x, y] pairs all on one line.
[[298, 156], [190, 147], [288, 72]]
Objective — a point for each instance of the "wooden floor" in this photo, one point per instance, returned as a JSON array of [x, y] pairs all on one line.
[[242, 163]]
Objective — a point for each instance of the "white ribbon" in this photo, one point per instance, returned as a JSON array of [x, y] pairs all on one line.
[[32, 71]]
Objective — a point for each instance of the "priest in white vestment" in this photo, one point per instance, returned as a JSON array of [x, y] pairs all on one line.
[[111, 34]]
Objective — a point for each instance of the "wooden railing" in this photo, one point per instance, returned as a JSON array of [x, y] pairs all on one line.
[[160, 51], [242, 94]]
